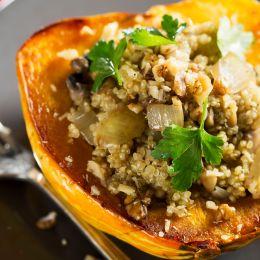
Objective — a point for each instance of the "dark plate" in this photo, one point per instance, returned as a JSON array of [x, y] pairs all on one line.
[[22, 203]]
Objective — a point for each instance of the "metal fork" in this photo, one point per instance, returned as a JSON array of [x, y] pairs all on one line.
[[19, 163]]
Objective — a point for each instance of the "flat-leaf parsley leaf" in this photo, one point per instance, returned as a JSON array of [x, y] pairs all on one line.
[[171, 26], [105, 59], [186, 146], [150, 37]]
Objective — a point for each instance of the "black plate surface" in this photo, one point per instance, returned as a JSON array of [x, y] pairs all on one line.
[[22, 203]]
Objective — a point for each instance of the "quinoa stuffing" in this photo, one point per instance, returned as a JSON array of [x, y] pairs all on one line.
[[172, 112]]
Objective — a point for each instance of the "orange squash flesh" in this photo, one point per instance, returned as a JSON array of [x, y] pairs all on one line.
[[38, 66]]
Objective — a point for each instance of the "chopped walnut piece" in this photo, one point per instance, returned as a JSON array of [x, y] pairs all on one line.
[[209, 180], [126, 189], [94, 191], [136, 108], [225, 212], [137, 207], [179, 86], [136, 210], [167, 225], [202, 88], [48, 221], [211, 205], [230, 108], [97, 171]]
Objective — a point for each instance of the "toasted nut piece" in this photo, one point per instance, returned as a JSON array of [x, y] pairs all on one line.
[[208, 180]]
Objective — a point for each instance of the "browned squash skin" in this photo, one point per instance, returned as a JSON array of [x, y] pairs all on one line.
[[38, 66]]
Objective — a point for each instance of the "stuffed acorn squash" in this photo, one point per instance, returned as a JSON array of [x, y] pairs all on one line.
[[147, 125]]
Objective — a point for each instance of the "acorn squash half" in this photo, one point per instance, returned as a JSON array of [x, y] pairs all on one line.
[[38, 67]]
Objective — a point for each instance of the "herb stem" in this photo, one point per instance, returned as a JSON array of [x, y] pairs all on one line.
[[204, 114]]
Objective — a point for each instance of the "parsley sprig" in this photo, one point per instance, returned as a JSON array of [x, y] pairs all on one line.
[[150, 37], [105, 59], [171, 26], [186, 147]]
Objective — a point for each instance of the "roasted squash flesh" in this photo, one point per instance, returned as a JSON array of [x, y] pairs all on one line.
[[39, 67]]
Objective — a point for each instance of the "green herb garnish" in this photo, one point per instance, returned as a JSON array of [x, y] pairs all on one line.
[[172, 27], [186, 147], [151, 37], [105, 59]]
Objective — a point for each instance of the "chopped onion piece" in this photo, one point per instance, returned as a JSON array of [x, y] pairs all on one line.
[[160, 116], [232, 74], [232, 38], [82, 120], [119, 127]]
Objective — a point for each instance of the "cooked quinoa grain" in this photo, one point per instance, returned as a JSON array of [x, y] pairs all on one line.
[[183, 76]]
